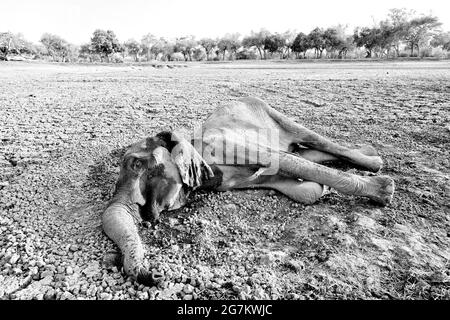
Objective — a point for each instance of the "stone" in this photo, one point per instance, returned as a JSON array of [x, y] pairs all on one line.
[[168, 293], [143, 295], [14, 258], [105, 296], [69, 270], [40, 263], [273, 256], [8, 285], [46, 274], [92, 269], [17, 271], [34, 289], [295, 265], [188, 289], [67, 296], [173, 222], [50, 294]]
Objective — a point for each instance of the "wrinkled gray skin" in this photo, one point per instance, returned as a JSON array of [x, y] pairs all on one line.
[[158, 173]]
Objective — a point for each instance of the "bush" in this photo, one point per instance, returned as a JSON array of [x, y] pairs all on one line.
[[426, 52], [177, 56], [116, 58], [246, 55], [199, 54]]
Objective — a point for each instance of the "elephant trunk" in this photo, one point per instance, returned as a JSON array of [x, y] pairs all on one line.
[[119, 224]]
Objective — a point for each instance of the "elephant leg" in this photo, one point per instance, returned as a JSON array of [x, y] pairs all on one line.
[[321, 157], [307, 192], [311, 139], [120, 226], [377, 188]]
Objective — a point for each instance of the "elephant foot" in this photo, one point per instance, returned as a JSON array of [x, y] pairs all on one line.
[[374, 163], [382, 188], [368, 150]]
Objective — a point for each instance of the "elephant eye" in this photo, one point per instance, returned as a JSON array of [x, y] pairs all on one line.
[[137, 164]]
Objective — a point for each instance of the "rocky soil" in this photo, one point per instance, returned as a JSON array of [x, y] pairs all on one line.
[[63, 129]]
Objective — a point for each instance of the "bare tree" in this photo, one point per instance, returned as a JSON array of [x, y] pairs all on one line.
[[57, 47], [133, 48], [11, 43], [317, 41], [147, 42], [208, 44], [420, 30], [442, 40], [398, 20], [301, 44], [257, 40], [186, 46]]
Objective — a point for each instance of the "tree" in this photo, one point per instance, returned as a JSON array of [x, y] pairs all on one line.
[[332, 40], [398, 22], [222, 46], [229, 43], [300, 44], [147, 42], [199, 54], [273, 43], [14, 44], [367, 38], [388, 37], [234, 44], [133, 48], [420, 30], [163, 48], [6, 43], [85, 52], [105, 43], [317, 41], [288, 38], [208, 44], [57, 47], [186, 46], [345, 42], [257, 39], [442, 40]]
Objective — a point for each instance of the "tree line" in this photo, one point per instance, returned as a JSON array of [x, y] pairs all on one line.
[[403, 33]]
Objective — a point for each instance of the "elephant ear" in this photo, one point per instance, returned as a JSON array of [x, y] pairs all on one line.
[[192, 167]]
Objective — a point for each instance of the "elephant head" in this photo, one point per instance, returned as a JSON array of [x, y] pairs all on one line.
[[156, 174]]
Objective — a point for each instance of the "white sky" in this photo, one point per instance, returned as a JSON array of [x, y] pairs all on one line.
[[75, 20]]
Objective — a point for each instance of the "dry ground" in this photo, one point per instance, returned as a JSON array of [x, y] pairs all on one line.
[[64, 127]]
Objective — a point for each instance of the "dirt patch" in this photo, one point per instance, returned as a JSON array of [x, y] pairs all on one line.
[[64, 129]]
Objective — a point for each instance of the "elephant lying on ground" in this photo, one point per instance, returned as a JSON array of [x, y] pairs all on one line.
[[245, 144]]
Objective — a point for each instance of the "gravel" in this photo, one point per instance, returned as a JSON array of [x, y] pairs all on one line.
[[60, 152]]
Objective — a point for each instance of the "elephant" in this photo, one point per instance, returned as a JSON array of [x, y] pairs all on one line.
[[243, 144]]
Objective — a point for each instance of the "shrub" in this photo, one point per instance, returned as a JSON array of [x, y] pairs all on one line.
[[246, 55], [116, 58]]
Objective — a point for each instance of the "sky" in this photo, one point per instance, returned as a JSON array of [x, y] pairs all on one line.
[[75, 20]]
